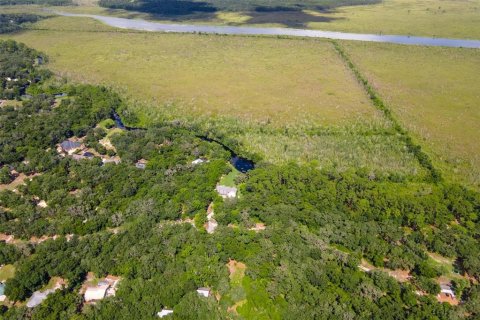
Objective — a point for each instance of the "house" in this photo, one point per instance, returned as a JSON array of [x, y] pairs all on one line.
[[446, 290], [70, 146], [141, 164], [226, 192], [197, 161], [38, 296], [204, 292], [164, 313], [447, 295], [96, 293], [106, 287], [115, 160]]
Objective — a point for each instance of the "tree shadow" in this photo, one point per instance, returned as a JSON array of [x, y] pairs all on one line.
[[164, 8], [293, 18]]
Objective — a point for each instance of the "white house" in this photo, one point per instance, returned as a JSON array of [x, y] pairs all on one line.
[[96, 293], [226, 192], [164, 313], [204, 292], [447, 290]]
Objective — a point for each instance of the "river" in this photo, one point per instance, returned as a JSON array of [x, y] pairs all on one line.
[[137, 24]]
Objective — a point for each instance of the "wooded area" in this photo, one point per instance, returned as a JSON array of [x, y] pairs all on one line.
[[147, 225]]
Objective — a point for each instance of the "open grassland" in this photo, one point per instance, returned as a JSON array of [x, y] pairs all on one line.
[[435, 93], [434, 18], [283, 99], [256, 79], [437, 18]]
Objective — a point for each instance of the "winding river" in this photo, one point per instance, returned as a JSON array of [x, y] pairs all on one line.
[[137, 24]]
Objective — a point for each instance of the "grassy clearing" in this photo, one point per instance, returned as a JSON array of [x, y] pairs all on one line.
[[7, 272], [435, 93], [229, 179]]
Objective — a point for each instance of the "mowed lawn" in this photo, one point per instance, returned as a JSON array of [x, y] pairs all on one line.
[[280, 81], [435, 92]]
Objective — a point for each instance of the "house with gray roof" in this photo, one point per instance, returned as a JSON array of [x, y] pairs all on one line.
[[226, 192]]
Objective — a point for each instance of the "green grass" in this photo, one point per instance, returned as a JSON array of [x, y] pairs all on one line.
[[229, 179], [256, 79], [7, 272], [283, 99], [438, 18], [435, 93]]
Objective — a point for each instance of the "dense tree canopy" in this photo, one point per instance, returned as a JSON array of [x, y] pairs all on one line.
[[134, 222]]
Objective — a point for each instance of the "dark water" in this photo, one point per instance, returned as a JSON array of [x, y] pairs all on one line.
[[144, 25], [241, 164], [118, 121]]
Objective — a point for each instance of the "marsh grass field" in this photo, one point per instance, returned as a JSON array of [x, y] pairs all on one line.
[[435, 92], [430, 18], [283, 99]]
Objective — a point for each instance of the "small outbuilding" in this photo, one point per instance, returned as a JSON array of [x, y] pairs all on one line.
[[164, 313], [197, 161], [204, 292], [141, 164]]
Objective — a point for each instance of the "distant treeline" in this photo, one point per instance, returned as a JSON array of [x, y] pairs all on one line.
[[184, 7]]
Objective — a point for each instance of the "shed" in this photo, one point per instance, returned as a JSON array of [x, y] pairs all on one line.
[[164, 313], [198, 161], [141, 164], [204, 292]]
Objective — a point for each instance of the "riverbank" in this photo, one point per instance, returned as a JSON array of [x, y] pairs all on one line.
[[143, 25]]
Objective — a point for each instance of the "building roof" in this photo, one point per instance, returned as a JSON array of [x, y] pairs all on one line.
[[37, 297], [445, 288], [70, 145], [96, 293], [224, 190], [198, 161], [164, 313]]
